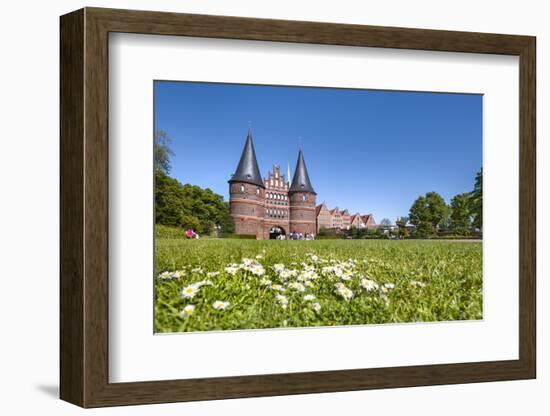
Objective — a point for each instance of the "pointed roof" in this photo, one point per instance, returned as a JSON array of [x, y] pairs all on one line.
[[322, 206], [288, 177], [300, 181], [248, 170]]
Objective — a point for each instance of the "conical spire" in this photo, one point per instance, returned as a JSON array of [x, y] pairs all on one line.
[[300, 181], [247, 170], [288, 177]]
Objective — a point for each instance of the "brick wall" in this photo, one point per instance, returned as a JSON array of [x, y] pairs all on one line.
[[247, 205], [302, 213]]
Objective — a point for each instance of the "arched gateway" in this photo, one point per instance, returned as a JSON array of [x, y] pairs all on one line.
[[276, 232]]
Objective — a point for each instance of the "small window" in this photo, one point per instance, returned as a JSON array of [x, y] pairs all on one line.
[[242, 188], [304, 197], [258, 191]]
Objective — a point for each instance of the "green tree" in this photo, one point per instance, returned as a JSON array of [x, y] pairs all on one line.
[[162, 151], [430, 208], [423, 229], [385, 222], [461, 217], [418, 211], [190, 206], [476, 201], [438, 210], [401, 223]]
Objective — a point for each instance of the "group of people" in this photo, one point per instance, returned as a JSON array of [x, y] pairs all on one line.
[[299, 236], [190, 233]]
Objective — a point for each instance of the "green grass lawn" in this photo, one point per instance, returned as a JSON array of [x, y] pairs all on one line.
[[313, 283]]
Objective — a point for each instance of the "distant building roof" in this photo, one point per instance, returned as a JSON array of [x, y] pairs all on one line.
[[366, 218], [318, 208]]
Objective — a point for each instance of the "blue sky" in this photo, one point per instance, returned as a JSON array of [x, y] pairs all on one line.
[[368, 151]]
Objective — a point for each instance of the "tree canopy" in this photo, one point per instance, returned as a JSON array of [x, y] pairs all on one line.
[[190, 206], [429, 209], [476, 201], [429, 213], [185, 206], [162, 151], [461, 217]]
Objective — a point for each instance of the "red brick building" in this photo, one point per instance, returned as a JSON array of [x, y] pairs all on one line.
[[341, 219], [274, 205]]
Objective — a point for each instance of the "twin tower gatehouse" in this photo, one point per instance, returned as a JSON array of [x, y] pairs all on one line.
[[274, 205]]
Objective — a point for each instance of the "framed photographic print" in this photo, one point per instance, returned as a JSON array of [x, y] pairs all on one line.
[[255, 207]]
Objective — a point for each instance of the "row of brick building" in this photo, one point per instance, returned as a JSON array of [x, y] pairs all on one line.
[[341, 219]]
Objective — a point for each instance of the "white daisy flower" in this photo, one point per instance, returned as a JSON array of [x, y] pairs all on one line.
[[196, 270], [265, 282], [187, 311], [212, 274], [231, 270], [309, 283], [316, 306], [279, 267], [415, 284], [386, 287], [279, 288], [220, 306], [369, 285], [309, 297], [297, 286], [257, 269], [345, 292], [282, 300], [165, 275], [346, 276], [247, 261], [189, 291], [312, 275], [285, 274]]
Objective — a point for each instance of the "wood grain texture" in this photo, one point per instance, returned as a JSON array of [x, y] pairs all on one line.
[[84, 207], [71, 184]]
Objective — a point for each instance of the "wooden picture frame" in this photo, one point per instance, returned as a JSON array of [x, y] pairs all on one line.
[[84, 207]]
